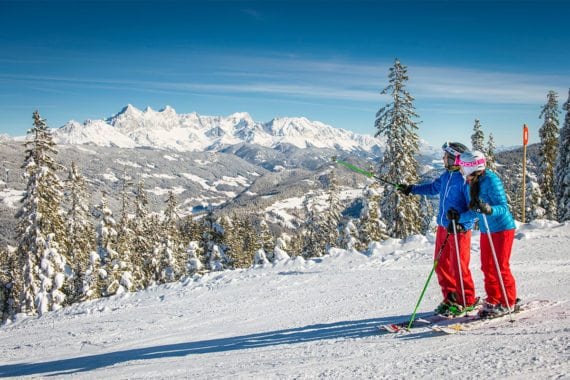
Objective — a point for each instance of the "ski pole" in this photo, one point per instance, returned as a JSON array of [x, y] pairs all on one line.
[[364, 172], [459, 262], [498, 268], [437, 257]]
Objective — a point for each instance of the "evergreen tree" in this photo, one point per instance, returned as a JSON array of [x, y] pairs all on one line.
[[232, 240], [280, 251], [143, 242], [260, 257], [295, 243], [93, 282], [80, 232], [313, 244], [533, 208], [512, 179], [478, 137], [112, 267], [130, 260], [330, 219], [194, 254], [562, 172], [51, 277], [548, 152], [171, 254], [8, 262], [429, 223], [349, 238], [490, 153], [41, 232], [370, 226], [251, 243], [266, 239], [213, 242], [395, 122]]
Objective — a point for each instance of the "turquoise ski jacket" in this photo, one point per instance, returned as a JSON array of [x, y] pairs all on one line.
[[491, 191]]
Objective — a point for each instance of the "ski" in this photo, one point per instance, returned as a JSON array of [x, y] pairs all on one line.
[[427, 321], [474, 322], [418, 322]]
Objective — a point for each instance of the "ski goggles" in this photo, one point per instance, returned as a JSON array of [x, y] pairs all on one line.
[[470, 164], [449, 149]]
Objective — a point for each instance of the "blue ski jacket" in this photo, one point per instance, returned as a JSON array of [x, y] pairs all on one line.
[[453, 193], [491, 191]]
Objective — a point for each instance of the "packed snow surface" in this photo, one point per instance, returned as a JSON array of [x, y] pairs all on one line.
[[302, 319]]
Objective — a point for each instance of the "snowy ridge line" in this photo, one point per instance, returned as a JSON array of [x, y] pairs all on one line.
[[165, 129]]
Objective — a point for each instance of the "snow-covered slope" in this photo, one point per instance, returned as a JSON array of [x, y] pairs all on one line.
[[306, 319], [165, 129]]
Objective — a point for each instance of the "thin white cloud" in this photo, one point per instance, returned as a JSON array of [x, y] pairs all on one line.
[[293, 76]]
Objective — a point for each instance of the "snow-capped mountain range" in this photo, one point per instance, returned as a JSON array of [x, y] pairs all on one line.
[[165, 129]]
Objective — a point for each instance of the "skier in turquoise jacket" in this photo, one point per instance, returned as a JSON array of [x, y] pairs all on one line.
[[488, 203], [453, 195]]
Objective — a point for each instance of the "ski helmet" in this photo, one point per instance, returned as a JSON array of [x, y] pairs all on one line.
[[454, 149], [471, 162]]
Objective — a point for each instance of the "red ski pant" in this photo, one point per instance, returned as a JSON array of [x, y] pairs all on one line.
[[503, 243], [448, 270]]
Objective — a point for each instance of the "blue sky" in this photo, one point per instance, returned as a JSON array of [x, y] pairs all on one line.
[[325, 60]]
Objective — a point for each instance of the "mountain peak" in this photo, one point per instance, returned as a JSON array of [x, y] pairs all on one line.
[[168, 110], [165, 129]]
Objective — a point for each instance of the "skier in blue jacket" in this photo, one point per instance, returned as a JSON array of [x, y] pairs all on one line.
[[453, 195], [488, 202]]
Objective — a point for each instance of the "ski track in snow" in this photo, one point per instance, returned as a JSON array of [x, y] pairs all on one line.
[[307, 319]]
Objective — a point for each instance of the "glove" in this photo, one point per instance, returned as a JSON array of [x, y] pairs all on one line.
[[458, 227], [483, 208], [453, 214], [404, 189]]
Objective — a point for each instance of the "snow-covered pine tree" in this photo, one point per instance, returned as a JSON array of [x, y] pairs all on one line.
[[93, 282], [215, 258], [142, 244], [429, 224], [549, 134], [7, 261], [52, 277], [295, 243], [533, 208], [490, 153], [41, 235], [280, 251], [80, 232], [130, 260], [395, 122], [106, 240], [194, 255], [171, 256], [191, 230], [153, 262], [212, 240], [349, 238], [478, 137], [125, 234], [313, 244], [562, 171], [250, 243], [512, 179], [260, 257], [370, 225], [266, 238], [232, 239], [330, 219]]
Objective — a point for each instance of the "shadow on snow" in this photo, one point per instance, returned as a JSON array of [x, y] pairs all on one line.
[[338, 330]]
